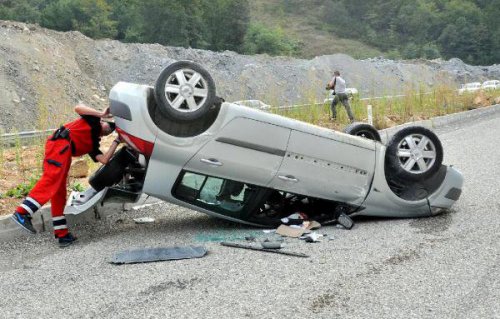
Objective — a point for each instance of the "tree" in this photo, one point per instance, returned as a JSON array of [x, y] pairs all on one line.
[[91, 17], [170, 22], [21, 10], [227, 24], [126, 16]]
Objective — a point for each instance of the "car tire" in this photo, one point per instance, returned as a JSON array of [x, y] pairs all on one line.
[[184, 91], [363, 130], [179, 128], [407, 159], [111, 173]]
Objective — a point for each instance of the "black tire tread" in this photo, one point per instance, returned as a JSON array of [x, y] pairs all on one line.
[[356, 128], [164, 105], [393, 167], [179, 128]]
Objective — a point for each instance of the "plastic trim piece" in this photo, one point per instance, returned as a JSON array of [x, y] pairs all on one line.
[[120, 109], [255, 147], [454, 193]]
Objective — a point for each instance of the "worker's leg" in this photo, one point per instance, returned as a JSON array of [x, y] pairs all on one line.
[[57, 160], [345, 101], [58, 202], [333, 107]]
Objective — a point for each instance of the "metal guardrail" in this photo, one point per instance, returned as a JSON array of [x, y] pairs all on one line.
[[23, 138]]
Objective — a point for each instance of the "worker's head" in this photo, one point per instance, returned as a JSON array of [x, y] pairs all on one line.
[[337, 73], [107, 128]]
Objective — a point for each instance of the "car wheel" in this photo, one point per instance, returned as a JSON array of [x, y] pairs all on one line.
[[414, 153], [184, 91], [111, 173], [363, 130]]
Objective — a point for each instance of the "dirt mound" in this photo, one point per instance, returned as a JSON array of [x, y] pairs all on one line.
[[43, 73]]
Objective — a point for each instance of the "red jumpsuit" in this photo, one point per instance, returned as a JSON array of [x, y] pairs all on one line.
[[83, 139]]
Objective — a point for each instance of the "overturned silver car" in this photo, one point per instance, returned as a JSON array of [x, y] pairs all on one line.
[[186, 146]]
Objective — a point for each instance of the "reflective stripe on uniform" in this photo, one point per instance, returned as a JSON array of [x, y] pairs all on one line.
[[59, 222], [34, 202], [60, 227], [27, 208]]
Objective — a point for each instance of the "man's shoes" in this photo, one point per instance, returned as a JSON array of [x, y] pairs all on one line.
[[67, 240], [24, 220]]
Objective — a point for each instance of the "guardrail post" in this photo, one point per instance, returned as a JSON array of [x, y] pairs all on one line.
[[369, 110]]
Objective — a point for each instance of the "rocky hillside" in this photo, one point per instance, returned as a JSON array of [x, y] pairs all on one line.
[[43, 73]]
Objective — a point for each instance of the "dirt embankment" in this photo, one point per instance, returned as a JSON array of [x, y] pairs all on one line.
[[43, 73]]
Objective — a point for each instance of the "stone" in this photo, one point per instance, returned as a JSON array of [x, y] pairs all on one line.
[[478, 100], [386, 122], [497, 100], [79, 168]]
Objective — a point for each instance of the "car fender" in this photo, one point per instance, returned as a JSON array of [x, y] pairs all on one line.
[[381, 200]]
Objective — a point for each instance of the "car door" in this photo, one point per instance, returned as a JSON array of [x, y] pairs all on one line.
[[327, 168], [244, 150]]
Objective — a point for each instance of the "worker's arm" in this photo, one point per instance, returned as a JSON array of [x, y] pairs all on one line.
[[82, 109], [104, 158], [331, 84]]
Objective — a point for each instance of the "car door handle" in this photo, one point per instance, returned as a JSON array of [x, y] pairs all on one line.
[[288, 178], [211, 161]]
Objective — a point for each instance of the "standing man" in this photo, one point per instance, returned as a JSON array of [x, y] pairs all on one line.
[[77, 138], [337, 84]]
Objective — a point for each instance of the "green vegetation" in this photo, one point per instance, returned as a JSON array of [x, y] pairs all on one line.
[[261, 39], [467, 29], [77, 187], [22, 189]]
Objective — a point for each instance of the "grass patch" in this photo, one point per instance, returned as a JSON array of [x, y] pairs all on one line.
[[22, 189], [415, 105], [77, 187]]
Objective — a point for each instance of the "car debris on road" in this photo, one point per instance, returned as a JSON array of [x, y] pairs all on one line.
[[144, 220], [252, 247], [147, 255]]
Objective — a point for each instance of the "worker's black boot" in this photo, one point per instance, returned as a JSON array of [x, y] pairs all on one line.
[[67, 240]]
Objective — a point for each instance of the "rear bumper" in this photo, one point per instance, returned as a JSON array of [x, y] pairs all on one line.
[[448, 193]]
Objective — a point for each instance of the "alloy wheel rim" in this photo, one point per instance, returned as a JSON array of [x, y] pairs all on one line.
[[186, 90], [416, 153]]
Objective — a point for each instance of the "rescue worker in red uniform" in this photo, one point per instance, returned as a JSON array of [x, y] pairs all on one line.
[[79, 137]]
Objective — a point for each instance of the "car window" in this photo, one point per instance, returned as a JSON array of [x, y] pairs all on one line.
[[193, 181], [224, 196]]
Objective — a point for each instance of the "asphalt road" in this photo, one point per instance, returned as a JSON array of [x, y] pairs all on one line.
[[441, 267]]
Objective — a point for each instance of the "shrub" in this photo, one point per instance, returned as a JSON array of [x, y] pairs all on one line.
[[261, 39], [22, 189]]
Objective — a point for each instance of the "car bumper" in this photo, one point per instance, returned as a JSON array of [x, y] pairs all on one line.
[[448, 193]]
